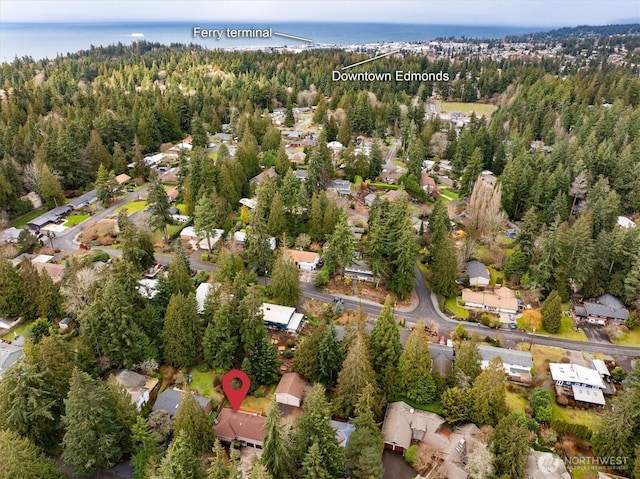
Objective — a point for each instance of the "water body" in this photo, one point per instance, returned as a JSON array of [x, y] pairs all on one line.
[[47, 40]]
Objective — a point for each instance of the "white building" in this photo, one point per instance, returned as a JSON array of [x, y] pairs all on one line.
[[304, 260], [290, 389], [281, 317], [516, 363], [138, 386], [624, 222], [585, 384]]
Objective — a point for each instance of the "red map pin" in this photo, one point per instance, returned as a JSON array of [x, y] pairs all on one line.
[[236, 396]]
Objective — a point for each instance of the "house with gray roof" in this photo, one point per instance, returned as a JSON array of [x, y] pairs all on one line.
[[517, 364], [169, 400], [342, 187], [478, 274], [605, 309], [9, 355], [442, 358]]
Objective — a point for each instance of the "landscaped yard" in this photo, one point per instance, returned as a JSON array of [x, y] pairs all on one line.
[[497, 277], [542, 355], [203, 383], [132, 206], [171, 229], [478, 108], [75, 220], [262, 404], [516, 402], [585, 417], [452, 305], [630, 339], [19, 331], [449, 194], [566, 330], [21, 221]]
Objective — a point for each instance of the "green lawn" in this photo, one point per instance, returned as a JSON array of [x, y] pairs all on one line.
[[75, 220], [261, 404], [542, 355], [449, 194], [566, 330], [21, 221], [478, 108], [497, 277], [20, 330], [577, 416], [630, 339], [516, 402], [433, 407], [459, 311], [203, 383], [399, 163], [384, 186], [171, 229], [132, 206]]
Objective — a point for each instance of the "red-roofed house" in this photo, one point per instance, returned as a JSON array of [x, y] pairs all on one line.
[[429, 185], [231, 426]]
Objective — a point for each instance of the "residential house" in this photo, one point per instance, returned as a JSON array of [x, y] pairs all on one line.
[[602, 368], [260, 178], [290, 390], [250, 203], [391, 195], [240, 236], [154, 160], [478, 274], [341, 187], [123, 179], [55, 271], [390, 177], [607, 308], [343, 431], [304, 260], [82, 201], [517, 364], [428, 165], [442, 358], [295, 155], [65, 324], [501, 300], [189, 234], [402, 424], [169, 400], [55, 215], [137, 385], [360, 271], [9, 236], [201, 295], [451, 448], [302, 175], [429, 185], [9, 355], [488, 177], [286, 318], [546, 465], [247, 428], [445, 167], [624, 222], [584, 384], [214, 237], [369, 199]]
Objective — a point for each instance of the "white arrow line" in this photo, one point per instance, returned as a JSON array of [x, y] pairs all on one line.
[[286, 35], [371, 59]]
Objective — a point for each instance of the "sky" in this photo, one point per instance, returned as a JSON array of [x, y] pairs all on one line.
[[551, 13]]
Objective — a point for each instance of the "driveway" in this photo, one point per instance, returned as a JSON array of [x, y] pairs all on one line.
[[395, 467], [595, 333]]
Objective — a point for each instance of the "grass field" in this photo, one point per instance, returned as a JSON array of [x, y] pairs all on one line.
[[478, 108], [459, 311], [630, 339], [384, 186], [261, 404], [132, 206], [171, 229], [203, 383], [497, 277], [75, 220], [449, 194], [577, 416], [542, 354], [21, 221]]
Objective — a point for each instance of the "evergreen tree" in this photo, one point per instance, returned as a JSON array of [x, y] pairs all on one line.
[[257, 246], [467, 365], [438, 226], [320, 165], [414, 367], [218, 468], [364, 449], [314, 426], [384, 343], [220, 340], [305, 360], [158, 205], [444, 271], [206, 218], [49, 298], [22, 459], [552, 312], [315, 219], [471, 172], [103, 186], [277, 223], [199, 136], [285, 285], [403, 261], [50, 189], [329, 357], [11, 296], [145, 447], [111, 324], [456, 405], [252, 328], [193, 424], [262, 364], [276, 455], [375, 160], [181, 332], [313, 466], [488, 393], [289, 120], [29, 284], [340, 247], [136, 246], [180, 462], [93, 437], [355, 375], [344, 134], [119, 160], [510, 442]]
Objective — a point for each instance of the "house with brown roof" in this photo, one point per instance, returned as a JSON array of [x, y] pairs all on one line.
[[247, 428], [172, 194], [137, 385], [55, 271], [429, 185], [402, 424], [123, 179], [290, 390], [304, 260], [501, 300], [260, 178]]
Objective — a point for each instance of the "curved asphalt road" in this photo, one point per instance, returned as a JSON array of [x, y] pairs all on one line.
[[427, 306]]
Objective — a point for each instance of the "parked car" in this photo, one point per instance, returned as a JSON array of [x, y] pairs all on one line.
[[512, 325]]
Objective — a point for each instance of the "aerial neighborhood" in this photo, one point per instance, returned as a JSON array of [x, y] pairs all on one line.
[[419, 279]]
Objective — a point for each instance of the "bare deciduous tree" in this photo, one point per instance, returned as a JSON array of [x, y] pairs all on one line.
[[485, 216], [79, 290], [480, 461]]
